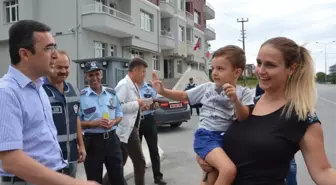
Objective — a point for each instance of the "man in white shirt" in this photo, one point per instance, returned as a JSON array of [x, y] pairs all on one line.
[[128, 129]]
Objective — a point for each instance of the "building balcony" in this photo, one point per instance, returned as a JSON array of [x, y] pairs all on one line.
[[100, 18], [209, 11], [190, 48], [167, 40], [190, 19], [209, 33], [167, 8]]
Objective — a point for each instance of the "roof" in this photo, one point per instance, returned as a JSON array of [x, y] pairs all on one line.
[[101, 59]]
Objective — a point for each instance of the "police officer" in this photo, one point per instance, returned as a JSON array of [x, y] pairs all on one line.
[[191, 85], [64, 101], [100, 112], [149, 131]]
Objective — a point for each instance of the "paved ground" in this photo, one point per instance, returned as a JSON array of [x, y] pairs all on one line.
[[326, 109], [179, 166]]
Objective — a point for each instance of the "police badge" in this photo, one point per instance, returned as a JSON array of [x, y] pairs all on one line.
[[75, 107]]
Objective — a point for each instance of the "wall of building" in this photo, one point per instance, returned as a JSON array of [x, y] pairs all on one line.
[[5, 59], [199, 5]]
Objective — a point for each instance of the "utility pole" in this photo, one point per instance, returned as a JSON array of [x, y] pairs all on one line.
[[325, 58], [243, 35]]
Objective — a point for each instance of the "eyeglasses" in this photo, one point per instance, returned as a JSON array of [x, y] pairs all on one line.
[[51, 48]]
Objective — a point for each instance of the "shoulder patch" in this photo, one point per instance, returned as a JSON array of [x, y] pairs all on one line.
[[110, 90], [84, 91]]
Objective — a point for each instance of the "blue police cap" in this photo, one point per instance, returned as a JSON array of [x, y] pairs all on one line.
[[92, 66]]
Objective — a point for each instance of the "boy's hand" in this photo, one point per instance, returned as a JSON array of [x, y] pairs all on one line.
[[230, 91]]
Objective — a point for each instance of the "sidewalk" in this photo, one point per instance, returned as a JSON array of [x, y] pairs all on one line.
[[128, 169]]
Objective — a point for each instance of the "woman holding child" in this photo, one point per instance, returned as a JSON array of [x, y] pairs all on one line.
[[282, 121]]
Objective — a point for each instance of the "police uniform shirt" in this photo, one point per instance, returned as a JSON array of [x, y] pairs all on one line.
[[190, 86], [95, 107], [64, 109], [146, 91]]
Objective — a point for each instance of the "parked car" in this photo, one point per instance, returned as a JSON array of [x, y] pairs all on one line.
[[172, 113]]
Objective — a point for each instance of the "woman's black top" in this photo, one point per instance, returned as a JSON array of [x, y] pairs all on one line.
[[262, 147]]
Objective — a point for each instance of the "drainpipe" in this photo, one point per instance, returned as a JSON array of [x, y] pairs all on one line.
[[159, 31], [77, 42]]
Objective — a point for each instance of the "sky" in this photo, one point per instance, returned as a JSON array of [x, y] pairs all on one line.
[[304, 21]]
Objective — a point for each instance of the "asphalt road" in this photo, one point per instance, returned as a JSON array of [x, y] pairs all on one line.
[[179, 166]]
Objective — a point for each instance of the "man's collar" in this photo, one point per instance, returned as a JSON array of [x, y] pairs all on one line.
[[90, 90], [22, 79]]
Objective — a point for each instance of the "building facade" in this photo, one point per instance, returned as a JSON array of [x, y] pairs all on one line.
[[162, 32], [332, 69]]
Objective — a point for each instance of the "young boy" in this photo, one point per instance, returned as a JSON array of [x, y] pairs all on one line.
[[224, 102]]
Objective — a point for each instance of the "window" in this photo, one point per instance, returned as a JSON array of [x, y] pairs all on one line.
[[156, 63], [99, 49], [146, 21], [181, 33], [136, 53], [181, 5], [121, 73], [197, 16], [113, 50], [189, 34], [12, 11], [179, 67]]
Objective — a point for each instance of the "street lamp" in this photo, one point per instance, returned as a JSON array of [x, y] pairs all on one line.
[[325, 57]]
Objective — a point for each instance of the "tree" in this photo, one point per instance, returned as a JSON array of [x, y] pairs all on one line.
[[320, 77]]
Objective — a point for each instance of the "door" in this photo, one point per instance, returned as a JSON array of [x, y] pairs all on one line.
[[165, 68], [170, 69]]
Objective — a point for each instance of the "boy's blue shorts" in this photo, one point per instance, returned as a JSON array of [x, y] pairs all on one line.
[[205, 141]]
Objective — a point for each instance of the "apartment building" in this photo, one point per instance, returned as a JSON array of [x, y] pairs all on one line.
[[162, 32], [332, 69]]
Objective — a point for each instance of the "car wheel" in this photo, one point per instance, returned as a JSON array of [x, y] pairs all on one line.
[[175, 125]]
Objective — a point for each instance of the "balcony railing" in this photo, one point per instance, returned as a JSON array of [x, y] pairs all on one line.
[[167, 34], [190, 15], [209, 5], [100, 8], [210, 28], [189, 42], [170, 2]]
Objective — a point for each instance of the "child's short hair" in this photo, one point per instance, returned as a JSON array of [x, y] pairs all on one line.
[[234, 54]]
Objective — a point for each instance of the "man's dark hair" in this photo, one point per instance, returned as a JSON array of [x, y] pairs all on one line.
[[21, 35], [136, 62]]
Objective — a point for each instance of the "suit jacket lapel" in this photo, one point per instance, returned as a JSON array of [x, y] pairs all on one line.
[[133, 86]]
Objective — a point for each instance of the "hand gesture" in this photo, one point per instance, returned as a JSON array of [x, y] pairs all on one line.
[[157, 84], [105, 123], [203, 164], [230, 91], [145, 107], [81, 154]]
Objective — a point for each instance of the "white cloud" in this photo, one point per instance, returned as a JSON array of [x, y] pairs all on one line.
[[305, 21]]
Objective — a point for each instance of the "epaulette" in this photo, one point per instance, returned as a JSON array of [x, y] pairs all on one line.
[[150, 85], [110, 90], [84, 91]]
